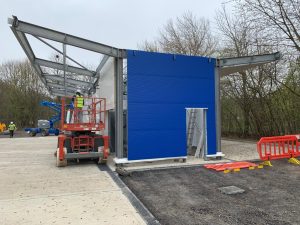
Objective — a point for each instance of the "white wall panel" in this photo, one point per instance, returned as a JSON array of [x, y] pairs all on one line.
[[106, 85]]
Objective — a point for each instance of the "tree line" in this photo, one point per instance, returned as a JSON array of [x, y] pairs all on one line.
[[21, 92], [263, 101]]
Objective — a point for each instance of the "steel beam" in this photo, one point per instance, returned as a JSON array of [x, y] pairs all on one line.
[[61, 86], [98, 70], [69, 80], [28, 51], [237, 64], [235, 69], [70, 86], [60, 92], [65, 66], [119, 145], [102, 63], [60, 66], [65, 38], [218, 109], [247, 60], [68, 57]]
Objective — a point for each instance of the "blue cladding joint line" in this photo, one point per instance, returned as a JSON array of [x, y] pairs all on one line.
[[160, 87]]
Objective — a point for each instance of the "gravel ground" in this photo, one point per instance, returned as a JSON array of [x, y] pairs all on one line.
[[191, 195], [239, 150]]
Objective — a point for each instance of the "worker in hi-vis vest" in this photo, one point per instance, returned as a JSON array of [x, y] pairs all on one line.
[[12, 127], [78, 105]]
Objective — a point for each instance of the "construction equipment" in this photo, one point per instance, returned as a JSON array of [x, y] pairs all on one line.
[[2, 127], [46, 127], [80, 132]]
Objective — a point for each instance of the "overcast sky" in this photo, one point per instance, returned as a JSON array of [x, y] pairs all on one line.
[[120, 23]]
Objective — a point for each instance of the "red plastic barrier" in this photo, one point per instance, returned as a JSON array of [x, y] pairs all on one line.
[[230, 166], [278, 147], [296, 152]]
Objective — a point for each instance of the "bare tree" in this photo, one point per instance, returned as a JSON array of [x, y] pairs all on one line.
[[246, 90], [150, 46], [280, 19], [187, 35]]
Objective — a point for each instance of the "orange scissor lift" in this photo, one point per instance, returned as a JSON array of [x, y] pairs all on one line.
[[80, 130]]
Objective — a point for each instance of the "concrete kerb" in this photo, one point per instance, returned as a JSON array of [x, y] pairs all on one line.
[[137, 204], [180, 165]]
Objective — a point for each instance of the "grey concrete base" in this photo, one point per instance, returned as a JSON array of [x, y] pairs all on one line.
[[231, 190], [34, 191]]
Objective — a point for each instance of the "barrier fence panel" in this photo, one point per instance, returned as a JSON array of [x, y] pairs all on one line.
[[278, 147], [296, 152]]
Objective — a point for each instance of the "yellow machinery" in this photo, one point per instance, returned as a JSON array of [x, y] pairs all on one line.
[[2, 127]]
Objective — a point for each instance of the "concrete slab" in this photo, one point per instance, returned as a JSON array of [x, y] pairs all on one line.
[[34, 191], [233, 150], [231, 190]]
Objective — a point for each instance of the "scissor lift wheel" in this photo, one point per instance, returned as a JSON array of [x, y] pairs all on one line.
[[102, 161], [99, 147], [61, 163]]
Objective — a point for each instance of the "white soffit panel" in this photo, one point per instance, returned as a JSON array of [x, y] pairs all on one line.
[[106, 85]]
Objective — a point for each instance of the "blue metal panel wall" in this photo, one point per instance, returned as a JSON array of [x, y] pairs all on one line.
[[160, 87]]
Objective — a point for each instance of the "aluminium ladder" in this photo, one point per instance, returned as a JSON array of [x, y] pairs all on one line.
[[192, 114]]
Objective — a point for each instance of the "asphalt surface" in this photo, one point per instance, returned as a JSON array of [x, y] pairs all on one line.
[[191, 195]]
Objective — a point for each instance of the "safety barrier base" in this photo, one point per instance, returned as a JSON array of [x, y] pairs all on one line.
[[266, 163], [294, 161]]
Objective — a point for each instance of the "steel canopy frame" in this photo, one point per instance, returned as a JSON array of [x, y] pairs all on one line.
[[37, 63], [227, 66], [21, 29], [29, 52], [67, 39]]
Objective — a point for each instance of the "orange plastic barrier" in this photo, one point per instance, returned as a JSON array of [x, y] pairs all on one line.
[[278, 147], [230, 166], [296, 152]]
